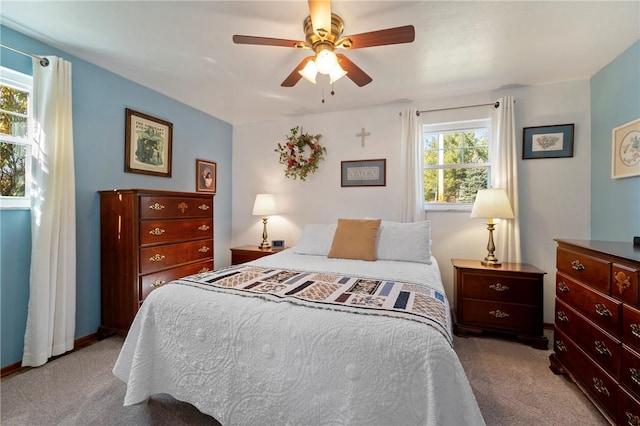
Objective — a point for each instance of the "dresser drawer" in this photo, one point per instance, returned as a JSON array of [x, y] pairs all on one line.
[[603, 310], [152, 281], [631, 327], [168, 231], [630, 370], [156, 258], [624, 283], [628, 408], [595, 380], [602, 347], [501, 288], [590, 270], [501, 316], [156, 207]]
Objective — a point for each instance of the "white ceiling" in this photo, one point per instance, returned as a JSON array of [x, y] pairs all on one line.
[[183, 49]]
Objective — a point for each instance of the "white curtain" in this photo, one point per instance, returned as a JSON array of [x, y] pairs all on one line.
[[412, 182], [52, 299], [504, 174]]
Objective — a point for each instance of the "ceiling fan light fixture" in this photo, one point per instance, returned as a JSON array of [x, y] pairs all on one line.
[[310, 71], [336, 73], [326, 61]]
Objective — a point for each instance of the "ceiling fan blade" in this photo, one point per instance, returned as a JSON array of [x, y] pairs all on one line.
[[267, 41], [354, 72], [295, 76], [320, 12], [397, 35]]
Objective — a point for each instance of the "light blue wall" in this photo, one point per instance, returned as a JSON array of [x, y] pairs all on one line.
[[615, 100], [99, 101]]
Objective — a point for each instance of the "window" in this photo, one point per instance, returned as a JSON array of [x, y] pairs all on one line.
[[15, 138], [456, 163]]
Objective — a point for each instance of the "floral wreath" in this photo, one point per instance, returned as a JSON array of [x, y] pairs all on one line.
[[299, 161]]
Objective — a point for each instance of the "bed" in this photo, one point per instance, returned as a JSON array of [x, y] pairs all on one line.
[[274, 341]]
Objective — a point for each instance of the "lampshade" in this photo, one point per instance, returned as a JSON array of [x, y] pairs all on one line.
[[310, 71], [492, 204], [336, 73], [265, 205], [326, 60]]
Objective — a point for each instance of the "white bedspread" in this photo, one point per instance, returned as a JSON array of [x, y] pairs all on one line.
[[248, 361]]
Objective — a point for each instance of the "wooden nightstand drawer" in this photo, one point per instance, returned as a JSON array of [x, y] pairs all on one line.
[[246, 254], [501, 316], [501, 287]]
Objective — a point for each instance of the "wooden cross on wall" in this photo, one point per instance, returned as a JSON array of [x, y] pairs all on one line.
[[362, 135]]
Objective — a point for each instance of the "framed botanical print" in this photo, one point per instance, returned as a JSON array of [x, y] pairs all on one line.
[[547, 141], [625, 150]]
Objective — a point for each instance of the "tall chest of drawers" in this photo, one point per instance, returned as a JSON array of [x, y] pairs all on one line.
[[148, 238], [597, 324]]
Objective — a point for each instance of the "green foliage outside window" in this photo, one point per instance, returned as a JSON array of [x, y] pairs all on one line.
[[13, 127], [456, 165]]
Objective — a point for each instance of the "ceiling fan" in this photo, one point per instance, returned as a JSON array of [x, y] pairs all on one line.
[[323, 34]]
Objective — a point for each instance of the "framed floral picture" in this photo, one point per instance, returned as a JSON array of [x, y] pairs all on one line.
[[205, 176], [547, 141], [625, 150], [147, 144]]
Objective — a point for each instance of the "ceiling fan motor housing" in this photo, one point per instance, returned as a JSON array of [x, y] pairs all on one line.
[[324, 40]]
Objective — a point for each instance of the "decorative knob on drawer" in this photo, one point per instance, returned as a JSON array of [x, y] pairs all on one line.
[[156, 206], [635, 375], [499, 314], [602, 348], [562, 316], [157, 257], [157, 231], [563, 287], [203, 227], [561, 346], [204, 249], [204, 207], [635, 329], [632, 420], [499, 287], [602, 310], [598, 384], [158, 283], [577, 265]]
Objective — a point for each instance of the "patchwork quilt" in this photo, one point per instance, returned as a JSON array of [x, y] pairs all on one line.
[[328, 290]]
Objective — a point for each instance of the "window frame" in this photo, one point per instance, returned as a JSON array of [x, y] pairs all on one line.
[[455, 126], [23, 82]]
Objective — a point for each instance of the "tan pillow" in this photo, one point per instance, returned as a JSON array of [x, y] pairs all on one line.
[[355, 239]]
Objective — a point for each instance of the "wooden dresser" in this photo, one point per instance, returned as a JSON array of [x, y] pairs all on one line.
[[505, 299], [148, 238], [597, 324]]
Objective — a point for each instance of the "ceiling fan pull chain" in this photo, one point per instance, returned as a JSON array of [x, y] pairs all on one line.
[[323, 95]]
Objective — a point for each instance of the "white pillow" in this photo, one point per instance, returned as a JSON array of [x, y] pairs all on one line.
[[406, 242], [316, 239]]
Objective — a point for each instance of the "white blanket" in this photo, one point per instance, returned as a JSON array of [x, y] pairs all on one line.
[[249, 361]]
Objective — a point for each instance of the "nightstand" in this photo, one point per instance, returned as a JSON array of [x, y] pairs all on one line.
[[248, 253], [504, 299]]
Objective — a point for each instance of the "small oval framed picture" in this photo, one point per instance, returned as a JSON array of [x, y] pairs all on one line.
[[205, 176]]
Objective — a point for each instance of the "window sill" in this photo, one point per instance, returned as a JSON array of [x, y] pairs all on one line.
[[447, 207]]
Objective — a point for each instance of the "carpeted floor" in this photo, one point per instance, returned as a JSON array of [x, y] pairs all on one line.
[[511, 381]]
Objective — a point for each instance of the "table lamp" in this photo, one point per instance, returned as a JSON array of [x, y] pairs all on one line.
[[265, 205], [492, 204]]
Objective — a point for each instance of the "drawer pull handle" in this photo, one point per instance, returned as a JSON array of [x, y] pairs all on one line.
[[635, 375], [499, 314], [157, 232], [156, 206], [632, 420], [622, 280], [562, 316], [635, 329], [157, 257], [204, 207], [203, 270], [577, 265], [560, 345], [203, 227], [602, 310], [499, 287], [158, 283], [602, 348], [563, 287], [183, 207], [598, 384], [204, 249]]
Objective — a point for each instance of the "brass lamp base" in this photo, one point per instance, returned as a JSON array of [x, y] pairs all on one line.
[[490, 260], [265, 243]]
